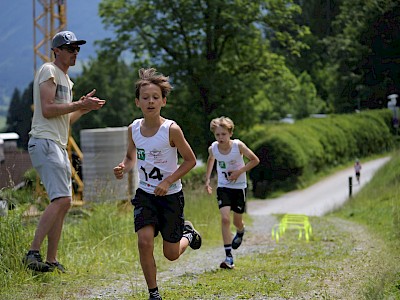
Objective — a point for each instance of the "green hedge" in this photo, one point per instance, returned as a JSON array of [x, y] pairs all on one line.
[[195, 178], [290, 153]]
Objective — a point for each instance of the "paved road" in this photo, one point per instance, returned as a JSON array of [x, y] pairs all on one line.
[[320, 198]]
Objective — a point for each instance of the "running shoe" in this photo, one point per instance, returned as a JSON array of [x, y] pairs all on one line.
[[56, 266], [155, 296], [227, 263], [33, 261], [195, 240], [237, 241]]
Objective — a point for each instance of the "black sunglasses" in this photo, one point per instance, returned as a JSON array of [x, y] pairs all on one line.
[[70, 49]]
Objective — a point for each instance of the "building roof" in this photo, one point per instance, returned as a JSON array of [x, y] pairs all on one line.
[[9, 136]]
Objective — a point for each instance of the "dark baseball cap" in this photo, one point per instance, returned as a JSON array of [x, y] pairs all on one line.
[[65, 38]]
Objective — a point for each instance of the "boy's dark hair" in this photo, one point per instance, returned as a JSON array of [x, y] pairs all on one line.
[[150, 76]]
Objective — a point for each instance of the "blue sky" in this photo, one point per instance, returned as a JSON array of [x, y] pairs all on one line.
[[16, 40]]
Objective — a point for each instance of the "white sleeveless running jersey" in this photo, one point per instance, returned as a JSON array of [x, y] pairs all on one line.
[[156, 159], [227, 163]]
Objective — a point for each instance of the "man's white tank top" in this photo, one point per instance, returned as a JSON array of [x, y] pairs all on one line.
[[226, 163], [156, 159]]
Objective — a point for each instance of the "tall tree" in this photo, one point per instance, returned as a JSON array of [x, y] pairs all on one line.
[[216, 52], [113, 80], [20, 114], [13, 109], [363, 54], [319, 16]]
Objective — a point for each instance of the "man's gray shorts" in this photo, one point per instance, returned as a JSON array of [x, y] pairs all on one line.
[[53, 165]]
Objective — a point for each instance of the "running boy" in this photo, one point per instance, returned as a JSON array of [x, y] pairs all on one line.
[[232, 181], [154, 143], [357, 170]]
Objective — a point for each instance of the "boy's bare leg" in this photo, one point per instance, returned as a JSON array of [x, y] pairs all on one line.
[[146, 249], [238, 238], [226, 224], [172, 251], [238, 221], [227, 237]]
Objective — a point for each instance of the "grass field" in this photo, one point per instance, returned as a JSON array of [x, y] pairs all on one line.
[[353, 254]]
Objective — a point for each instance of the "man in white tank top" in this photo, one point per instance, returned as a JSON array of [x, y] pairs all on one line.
[[232, 182], [159, 202]]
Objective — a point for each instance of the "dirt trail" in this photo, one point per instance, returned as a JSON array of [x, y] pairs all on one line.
[[316, 200], [258, 240]]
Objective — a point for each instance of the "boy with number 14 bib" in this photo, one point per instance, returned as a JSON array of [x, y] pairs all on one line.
[[153, 145]]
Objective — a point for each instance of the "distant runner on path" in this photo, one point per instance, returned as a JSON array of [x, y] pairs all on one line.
[[318, 199], [357, 170]]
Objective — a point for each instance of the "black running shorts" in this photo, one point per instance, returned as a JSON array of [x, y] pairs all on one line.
[[235, 198], [164, 212]]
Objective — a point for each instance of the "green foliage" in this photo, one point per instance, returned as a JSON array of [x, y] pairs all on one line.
[[382, 199], [281, 162], [343, 260], [289, 154], [20, 115], [309, 142], [216, 52], [3, 121], [252, 61], [19, 197], [364, 50], [377, 207], [113, 80], [285, 270], [30, 175], [352, 52], [195, 178], [332, 266], [307, 101], [13, 237], [283, 93], [98, 246]]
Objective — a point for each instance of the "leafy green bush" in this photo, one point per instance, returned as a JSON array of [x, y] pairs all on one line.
[[289, 154], [281, 164], [195, 178]]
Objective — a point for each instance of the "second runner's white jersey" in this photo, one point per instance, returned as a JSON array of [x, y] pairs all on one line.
[[226, 163]]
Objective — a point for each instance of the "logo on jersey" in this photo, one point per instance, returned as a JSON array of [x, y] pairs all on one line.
[[155, 153], [141, 154], [222, 164], [158, 158], [233, 162]]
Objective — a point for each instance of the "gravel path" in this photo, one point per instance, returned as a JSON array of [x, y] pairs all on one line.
[[316, 200], [258, 240]]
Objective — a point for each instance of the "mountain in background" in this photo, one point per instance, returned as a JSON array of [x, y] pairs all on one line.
[[16, 40]]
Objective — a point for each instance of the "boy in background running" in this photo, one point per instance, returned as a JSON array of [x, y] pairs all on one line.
[[232, 182]]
